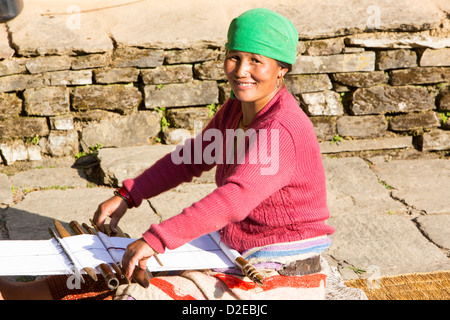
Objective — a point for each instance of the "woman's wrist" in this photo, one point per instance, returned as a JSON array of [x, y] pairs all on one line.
[[126, 196]]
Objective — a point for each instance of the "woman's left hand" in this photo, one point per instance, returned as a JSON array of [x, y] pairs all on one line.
[[137, 253]]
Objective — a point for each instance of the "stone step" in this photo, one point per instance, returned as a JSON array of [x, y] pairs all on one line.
[[389, 243], [65, 34], [422, 184], [353, 188], [49, 178]]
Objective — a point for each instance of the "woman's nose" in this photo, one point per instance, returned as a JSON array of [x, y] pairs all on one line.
[[242, 69]]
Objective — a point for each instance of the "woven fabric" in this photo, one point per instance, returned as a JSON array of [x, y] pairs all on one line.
[[280, 253], [212, 285]]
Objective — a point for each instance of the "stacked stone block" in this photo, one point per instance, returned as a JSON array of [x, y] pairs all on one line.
[[373, 91]]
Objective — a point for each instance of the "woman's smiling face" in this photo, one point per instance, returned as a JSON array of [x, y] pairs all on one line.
[[252, 77]]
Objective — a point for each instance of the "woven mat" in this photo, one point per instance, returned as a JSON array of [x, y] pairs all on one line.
[[414, 286]]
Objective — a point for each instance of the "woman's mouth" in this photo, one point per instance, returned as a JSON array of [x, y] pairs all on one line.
[[245, 85]]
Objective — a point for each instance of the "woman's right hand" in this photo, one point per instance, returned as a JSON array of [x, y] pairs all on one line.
[[113, 208]]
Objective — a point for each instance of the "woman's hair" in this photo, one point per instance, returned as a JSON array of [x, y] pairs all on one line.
[[285, 65]]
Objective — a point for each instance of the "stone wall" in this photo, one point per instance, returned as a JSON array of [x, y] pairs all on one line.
[[377, 91], [363, 91]]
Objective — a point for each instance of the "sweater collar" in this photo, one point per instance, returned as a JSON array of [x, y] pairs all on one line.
[[261, 115]]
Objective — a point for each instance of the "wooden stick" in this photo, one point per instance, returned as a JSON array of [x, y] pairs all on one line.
[[250, 271], [94, 225], [87, 228], [76, 228], [110, 278], [157, 259]]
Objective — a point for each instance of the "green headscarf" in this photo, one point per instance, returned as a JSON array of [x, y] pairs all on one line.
[[264, 32]]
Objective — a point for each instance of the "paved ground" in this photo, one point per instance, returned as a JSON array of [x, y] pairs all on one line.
[[392, 216]]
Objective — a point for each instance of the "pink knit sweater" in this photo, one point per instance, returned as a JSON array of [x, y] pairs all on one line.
[[276, 195]]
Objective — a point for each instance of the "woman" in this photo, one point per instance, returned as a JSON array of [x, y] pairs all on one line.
[[270, 206], [251, 207]]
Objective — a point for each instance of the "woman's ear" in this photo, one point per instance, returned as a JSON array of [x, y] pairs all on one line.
[[282, 73]]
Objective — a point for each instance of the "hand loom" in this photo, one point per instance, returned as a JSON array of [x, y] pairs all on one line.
[[89, 251]]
